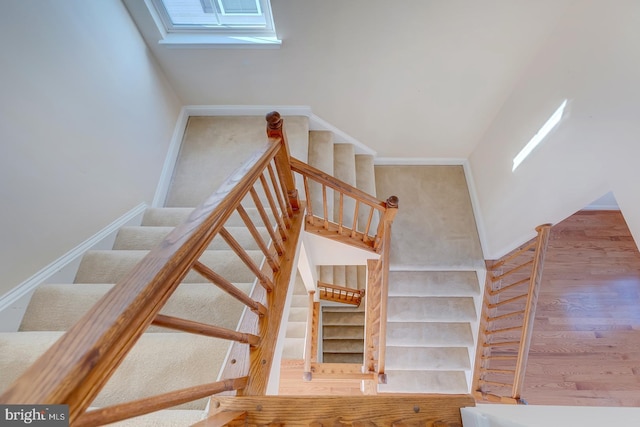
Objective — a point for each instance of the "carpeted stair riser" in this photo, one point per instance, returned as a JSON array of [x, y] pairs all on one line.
[[342, 332], [429, 334], [444, 309], [343, 358], [438, 358], [433, 283], [421, 381], [67, 303], [342, 345], [342, 317], [111, 266]]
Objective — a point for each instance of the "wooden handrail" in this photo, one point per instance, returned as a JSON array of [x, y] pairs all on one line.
[[506, 322], [78, 365], [335, 293]]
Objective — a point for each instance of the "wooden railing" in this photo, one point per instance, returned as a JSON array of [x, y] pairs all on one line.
[[506, 322], [77, 366], [344, 295], [359, 234]]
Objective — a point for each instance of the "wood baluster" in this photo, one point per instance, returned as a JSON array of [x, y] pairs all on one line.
[[282, 159], [282, 228], [341, 213], [271, 260], [244, 256], [308, 195], [122, 411], [281, 200], [326, 209], [355, 220], [365, 236], [204, 329], [277, 243], [231, 289]]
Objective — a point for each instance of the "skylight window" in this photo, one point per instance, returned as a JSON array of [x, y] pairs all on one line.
[[215, 21], [539, 136]]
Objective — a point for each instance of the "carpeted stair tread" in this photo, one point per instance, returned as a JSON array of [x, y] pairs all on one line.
[[433, 283], [213, 147], [417, 309], [343, 346], [432, 334], [192, 360], [416, 381], [56, 307], [298, 314], [352, 318], [435, 226], [293, 348], [427, 358], [342, 357], [172, 217], [146, 238], [296, 329], [110, 266], [343, 332]]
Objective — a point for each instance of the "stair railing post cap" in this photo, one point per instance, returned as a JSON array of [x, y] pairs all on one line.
[[274, 120]]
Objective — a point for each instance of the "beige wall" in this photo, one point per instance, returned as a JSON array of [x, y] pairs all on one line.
[[86, 118], [593, 59]]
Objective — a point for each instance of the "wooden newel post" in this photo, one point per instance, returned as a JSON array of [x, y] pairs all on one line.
[[282, 159], [387, 217]]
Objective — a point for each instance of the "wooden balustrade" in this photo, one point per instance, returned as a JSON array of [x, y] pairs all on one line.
[[335, 293], [506, 322], [78, 365]]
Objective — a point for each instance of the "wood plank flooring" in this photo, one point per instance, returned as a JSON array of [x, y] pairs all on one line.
[[586, 341]]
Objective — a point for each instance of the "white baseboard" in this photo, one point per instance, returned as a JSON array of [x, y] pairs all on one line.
[[14, 295]]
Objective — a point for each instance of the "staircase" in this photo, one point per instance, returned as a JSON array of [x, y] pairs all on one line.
[[432, 304]]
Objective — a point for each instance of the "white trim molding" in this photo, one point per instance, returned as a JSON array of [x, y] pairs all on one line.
[[11, 297]]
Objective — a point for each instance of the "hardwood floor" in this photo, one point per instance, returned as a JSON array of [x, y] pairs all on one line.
[[586, 341]]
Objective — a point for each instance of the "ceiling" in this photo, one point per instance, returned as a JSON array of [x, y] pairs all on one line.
[[417, 78]]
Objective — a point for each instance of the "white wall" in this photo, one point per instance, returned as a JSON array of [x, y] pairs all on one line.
[[86, 118], [421, 80], [593, 59]]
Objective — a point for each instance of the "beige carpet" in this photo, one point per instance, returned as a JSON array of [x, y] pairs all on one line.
[[214, 147], [435, 227]]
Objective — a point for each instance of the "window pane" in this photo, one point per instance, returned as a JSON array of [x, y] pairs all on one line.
[[240, 6]]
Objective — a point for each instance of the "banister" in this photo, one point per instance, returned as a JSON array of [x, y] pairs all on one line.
[[501, 319], [78, 365], [530, 311], [336, 184]]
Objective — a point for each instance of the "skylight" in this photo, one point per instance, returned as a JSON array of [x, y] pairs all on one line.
[[205, 21], [539, 136]]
